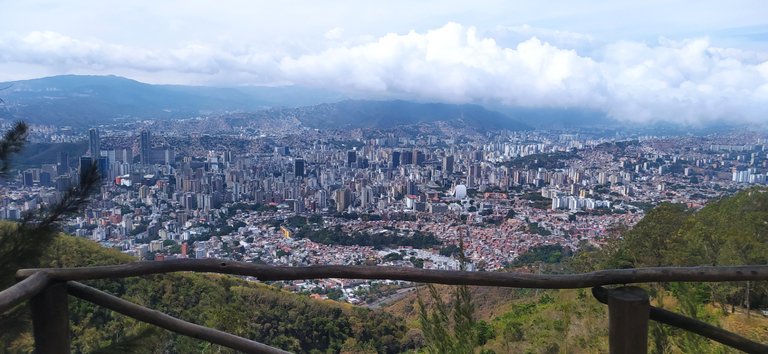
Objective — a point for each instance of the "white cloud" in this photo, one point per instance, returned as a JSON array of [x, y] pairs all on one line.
[[334, 34], [682, 81], [512, 35], [197, 62]]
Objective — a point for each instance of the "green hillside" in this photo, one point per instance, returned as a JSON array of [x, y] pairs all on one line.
[[726, 232], [247, 309], [729, 231]]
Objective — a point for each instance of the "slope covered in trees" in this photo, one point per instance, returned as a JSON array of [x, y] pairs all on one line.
[[263, 313], [729, 231]]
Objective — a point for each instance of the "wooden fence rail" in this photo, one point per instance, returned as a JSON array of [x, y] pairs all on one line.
[[704, 329], [449, 277], [628, 309], [170, 323], [23, 290]]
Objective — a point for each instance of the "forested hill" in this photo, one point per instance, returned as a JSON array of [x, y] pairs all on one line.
[[729, 231], [263, 313]]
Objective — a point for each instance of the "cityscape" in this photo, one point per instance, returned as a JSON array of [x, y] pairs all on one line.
[[284, 197], [359, 177]]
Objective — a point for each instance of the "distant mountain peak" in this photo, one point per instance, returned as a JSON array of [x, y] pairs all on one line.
[[392, 113]]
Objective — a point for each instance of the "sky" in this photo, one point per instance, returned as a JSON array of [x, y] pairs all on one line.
[[638, 61]]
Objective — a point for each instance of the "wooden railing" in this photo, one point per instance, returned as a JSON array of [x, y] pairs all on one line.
[[628, 307]]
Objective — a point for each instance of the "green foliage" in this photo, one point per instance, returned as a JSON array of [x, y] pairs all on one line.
[[538, 321], [335, 236], [448, 328], [535, 228], [729, 231], [545, 254], [393, 256], [450, 250], [12, 143], [247, 309], [23, 243]]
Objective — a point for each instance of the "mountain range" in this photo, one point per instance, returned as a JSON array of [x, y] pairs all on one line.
[[84, 101]]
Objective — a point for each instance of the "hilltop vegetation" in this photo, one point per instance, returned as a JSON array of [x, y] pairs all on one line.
[[263, 313], [729, 231], [726, 232]]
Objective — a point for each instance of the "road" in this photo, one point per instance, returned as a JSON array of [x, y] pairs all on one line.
[[399, 294]]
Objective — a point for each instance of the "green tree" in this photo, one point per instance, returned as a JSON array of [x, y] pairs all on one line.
[[451, 328], [23, 243]]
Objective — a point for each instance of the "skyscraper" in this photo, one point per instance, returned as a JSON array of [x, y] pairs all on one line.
[[395, 159], [85, 164], [406, 158], [145, 146], [448, 165], [62, 167], [103, 166], [351, 157], [298, 167], [418, 157], [343, 198], [94, 143]]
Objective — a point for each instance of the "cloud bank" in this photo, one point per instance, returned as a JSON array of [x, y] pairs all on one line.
[[688, 81]]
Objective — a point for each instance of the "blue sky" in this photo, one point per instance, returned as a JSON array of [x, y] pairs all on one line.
[[653, 60]]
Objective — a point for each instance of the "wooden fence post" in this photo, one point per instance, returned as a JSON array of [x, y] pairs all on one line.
[[628, 312], [50, 319]]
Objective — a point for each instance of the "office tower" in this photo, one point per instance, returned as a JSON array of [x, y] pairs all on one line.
[[94, 143], [322, 199], [351, 157], [395, 161], [85, 165], [418, 157], [45, 178], [145, 146], [448, 165], [63, 183], [343, 198], [103, 166], [406, 158], [411, 188], [62, 167], [298, 167], [28, 179], [477, 155]]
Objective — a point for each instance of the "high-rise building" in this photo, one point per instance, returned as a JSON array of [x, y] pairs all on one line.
[[406, 158], [351, 157], [94, 143], [411, 188], [45, 178], [298, 167], [395, 161], [418, 157], [343, 198], [103, 166], [85, 165], [63, 183], [28, 178], [62, 167], [322, 199], [145, 146], [448, 165]]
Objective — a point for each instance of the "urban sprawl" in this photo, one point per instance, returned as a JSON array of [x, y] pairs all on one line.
[[375, 197]]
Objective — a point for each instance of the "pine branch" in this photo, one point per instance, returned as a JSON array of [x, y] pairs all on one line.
[[22, 244], [12, 142]]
